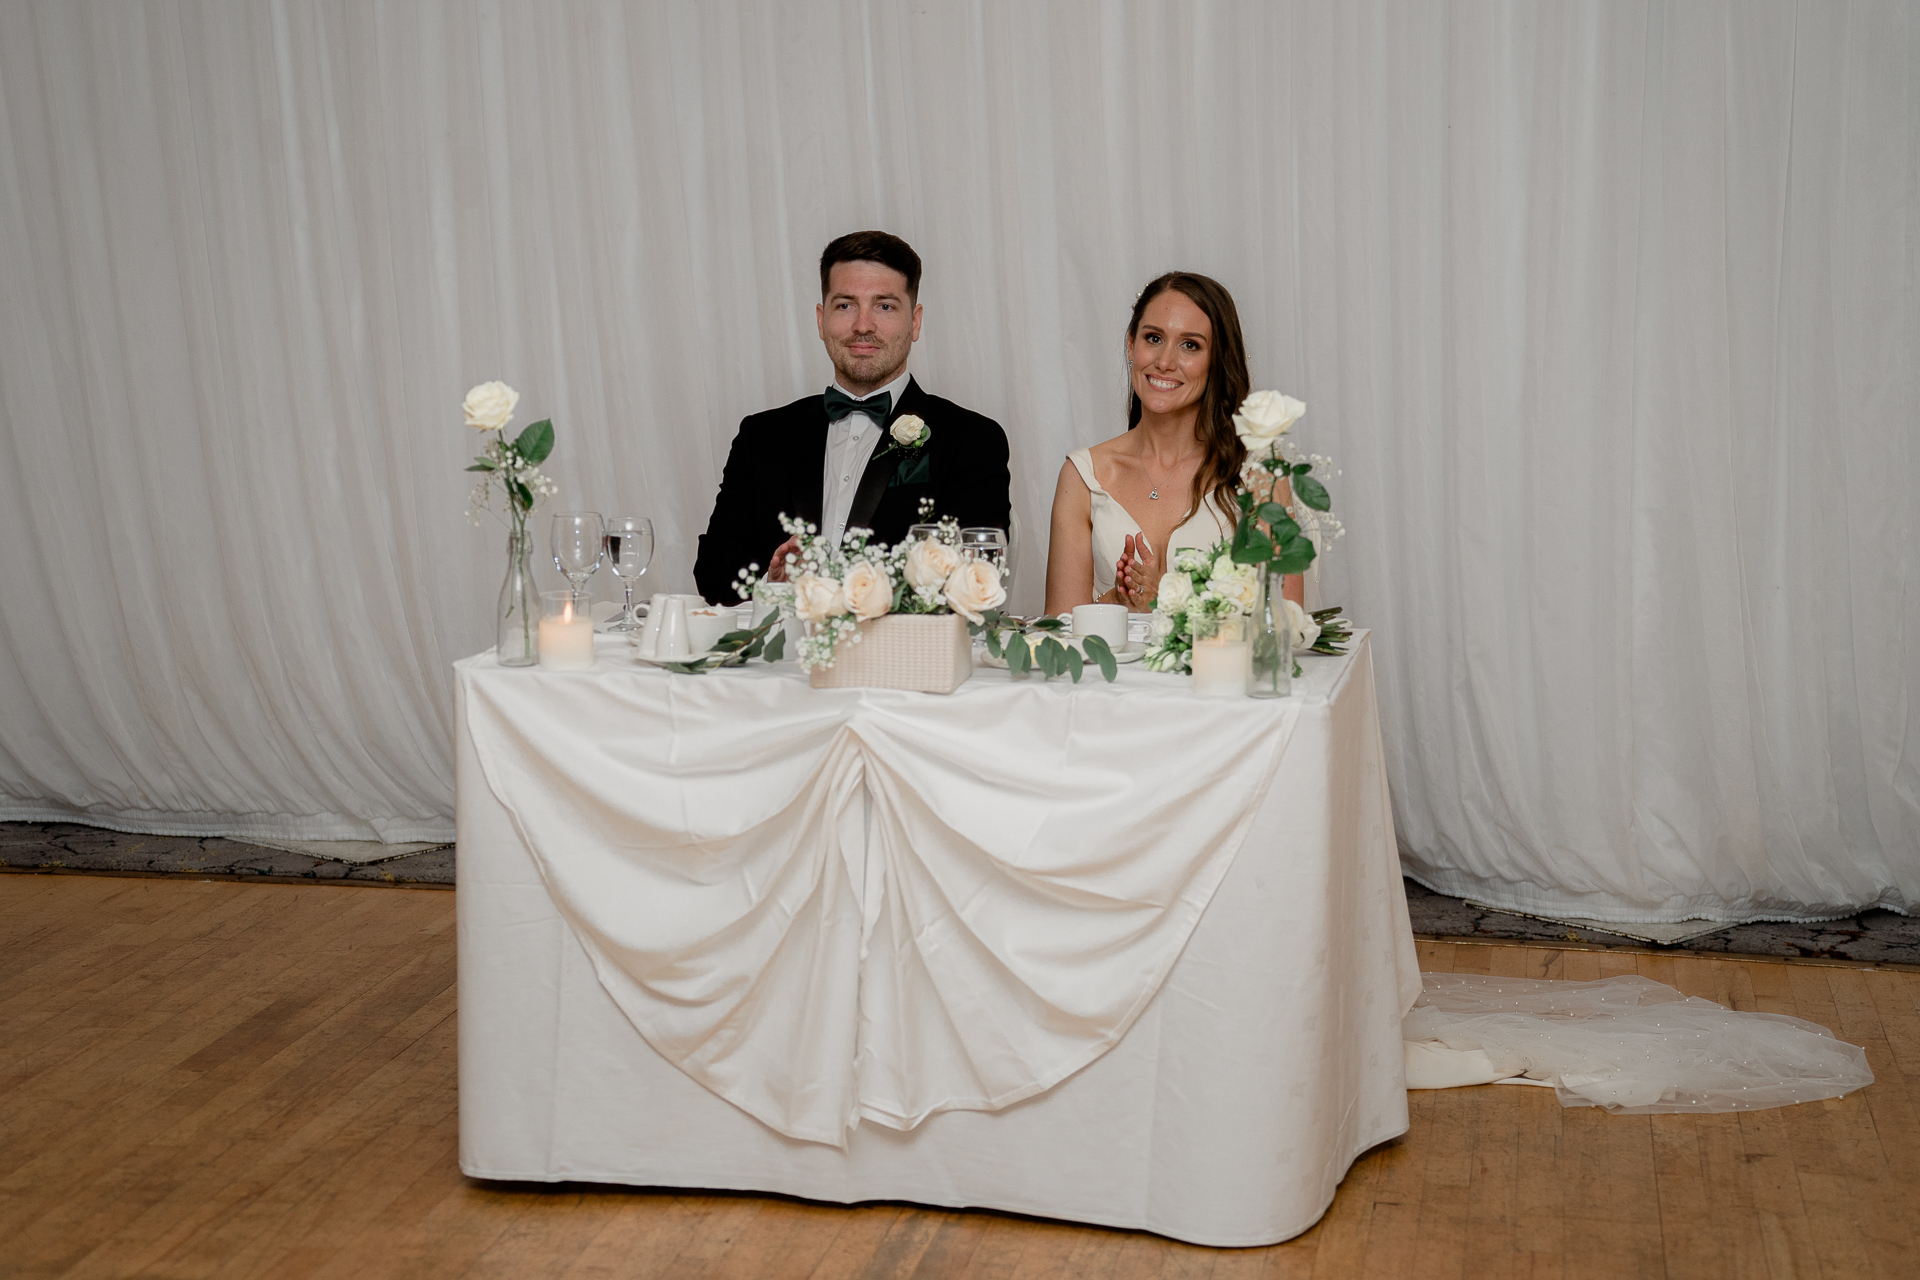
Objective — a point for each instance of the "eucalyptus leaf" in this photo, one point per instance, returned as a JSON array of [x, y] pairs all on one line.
[[776, 643], [1049, 624], [993, 643], [536, 442], [1019, 655], [1097, 649], [1053, 657], [1075, 664], [1312, 492]]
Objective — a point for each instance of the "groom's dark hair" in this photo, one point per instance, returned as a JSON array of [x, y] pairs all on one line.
[[873, 246]]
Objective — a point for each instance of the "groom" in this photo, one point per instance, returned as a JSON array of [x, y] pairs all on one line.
[[834, 459]]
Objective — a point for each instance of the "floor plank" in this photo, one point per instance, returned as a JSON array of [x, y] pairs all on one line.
[[232, 1080]]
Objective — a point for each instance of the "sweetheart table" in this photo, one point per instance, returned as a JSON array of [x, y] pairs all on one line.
[[1108, 953]]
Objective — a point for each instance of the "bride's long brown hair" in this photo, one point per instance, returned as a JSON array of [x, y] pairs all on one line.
[[1228, 382]]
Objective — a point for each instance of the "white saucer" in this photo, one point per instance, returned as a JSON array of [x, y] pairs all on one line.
[[1132, 651], [671, 662]]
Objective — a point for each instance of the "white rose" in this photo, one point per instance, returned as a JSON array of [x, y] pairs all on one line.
[[816, 599], [1305, 629], [1162, 626], [489, 406], [1176, 590], [975, 588], [868, 591], [1236, 583], [930, 564], [1264, 417], [909, 430]]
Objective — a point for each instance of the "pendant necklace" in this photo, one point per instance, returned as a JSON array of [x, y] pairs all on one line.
[[1154, 494]]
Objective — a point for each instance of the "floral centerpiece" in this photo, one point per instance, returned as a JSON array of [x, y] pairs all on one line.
[[896, 616], [841, 588], [510, 473], [1240, 576]]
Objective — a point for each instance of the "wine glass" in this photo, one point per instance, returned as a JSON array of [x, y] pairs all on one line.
[[629, 544], [920, 532], [579, 538], [987, 543]]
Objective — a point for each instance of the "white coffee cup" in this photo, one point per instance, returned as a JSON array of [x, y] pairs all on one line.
[[1108, 621], [706, 625]]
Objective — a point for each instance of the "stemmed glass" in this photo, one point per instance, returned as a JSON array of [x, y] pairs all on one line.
[[579, 538], [629, 546], [917, 532], [986, 543]]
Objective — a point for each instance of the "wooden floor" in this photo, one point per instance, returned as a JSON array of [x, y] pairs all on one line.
[[258, 1080]]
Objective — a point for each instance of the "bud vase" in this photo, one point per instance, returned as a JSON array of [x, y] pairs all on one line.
[[1272, 640], [519, 634]]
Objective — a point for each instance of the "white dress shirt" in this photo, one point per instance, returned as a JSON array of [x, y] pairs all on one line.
[[850, 445]]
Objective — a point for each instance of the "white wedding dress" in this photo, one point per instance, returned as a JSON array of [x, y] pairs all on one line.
[[1112, 523], [1627, 1044]]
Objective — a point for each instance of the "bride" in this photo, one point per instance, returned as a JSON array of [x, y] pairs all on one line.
[[1123, 506]]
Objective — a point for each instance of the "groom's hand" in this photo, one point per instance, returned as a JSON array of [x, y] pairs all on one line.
[[777, 567]]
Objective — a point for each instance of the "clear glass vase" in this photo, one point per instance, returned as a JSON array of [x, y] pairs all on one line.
[[1272, 640], [519, 631]]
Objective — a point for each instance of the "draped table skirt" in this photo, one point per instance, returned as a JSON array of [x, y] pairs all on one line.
[[1112, 954]]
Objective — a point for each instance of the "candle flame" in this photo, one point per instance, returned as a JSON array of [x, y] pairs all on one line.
[[566, 614]]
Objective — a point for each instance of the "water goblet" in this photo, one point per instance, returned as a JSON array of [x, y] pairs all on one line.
[[629, 549], [985, 542], [579, 539], [920, 532]]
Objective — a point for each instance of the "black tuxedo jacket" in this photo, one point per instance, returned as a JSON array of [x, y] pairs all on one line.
[[776, 464]]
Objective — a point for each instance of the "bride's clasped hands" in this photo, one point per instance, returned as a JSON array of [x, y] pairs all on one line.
[[1136, 575]]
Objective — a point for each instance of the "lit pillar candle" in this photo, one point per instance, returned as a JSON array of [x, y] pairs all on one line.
[[566, 633], [1221, 668]]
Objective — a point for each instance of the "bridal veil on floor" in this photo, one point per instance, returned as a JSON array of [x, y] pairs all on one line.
[[1628, 1044]]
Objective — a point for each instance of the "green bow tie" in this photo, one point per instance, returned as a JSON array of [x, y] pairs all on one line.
[[840, 404]]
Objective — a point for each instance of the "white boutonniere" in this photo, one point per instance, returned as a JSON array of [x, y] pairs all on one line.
[[909, 433]]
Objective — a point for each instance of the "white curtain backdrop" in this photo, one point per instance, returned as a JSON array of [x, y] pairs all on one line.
[[1607, 312]]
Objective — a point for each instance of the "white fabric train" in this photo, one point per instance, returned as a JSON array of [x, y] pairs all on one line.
[[1628, 1044]]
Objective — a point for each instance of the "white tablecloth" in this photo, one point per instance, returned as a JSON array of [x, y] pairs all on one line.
[[932, 914]]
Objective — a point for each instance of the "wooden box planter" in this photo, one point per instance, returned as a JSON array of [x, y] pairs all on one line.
[[926, 652]]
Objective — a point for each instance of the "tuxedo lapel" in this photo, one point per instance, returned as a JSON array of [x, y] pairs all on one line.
[[873, 481]]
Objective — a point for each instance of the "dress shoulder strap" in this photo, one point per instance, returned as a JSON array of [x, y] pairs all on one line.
[[1082, 460]]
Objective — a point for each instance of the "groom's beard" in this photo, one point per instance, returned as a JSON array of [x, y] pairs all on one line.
[[871, 371]]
